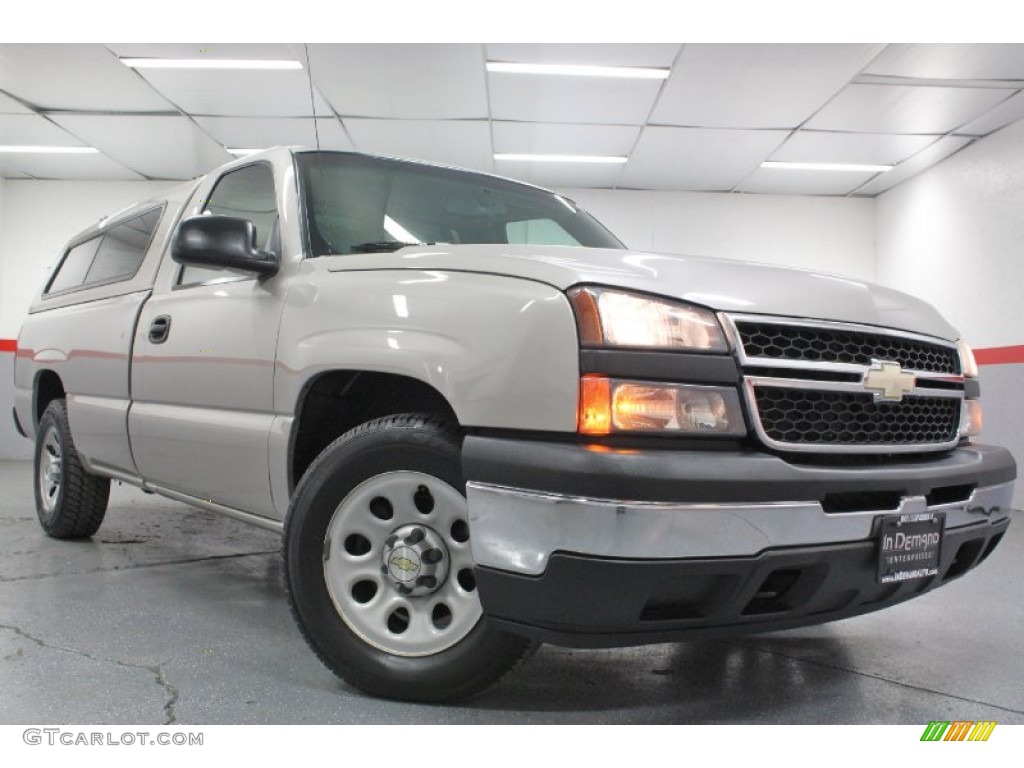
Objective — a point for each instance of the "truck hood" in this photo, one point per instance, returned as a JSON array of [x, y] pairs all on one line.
[[721, 284]]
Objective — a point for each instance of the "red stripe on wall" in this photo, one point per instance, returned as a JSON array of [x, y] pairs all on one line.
[[999, 355], [990, 356]]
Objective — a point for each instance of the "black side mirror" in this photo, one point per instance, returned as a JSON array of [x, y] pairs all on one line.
[[222, 241]]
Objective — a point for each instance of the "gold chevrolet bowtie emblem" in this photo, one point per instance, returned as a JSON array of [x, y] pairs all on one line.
[[888, 382], [403, 563]]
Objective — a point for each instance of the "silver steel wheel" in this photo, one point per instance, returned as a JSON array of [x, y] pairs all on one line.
[[51, 461], [398, 565]]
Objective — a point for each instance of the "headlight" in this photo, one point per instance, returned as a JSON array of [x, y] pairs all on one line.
[[609, 318], [968, 364], [609, 405]]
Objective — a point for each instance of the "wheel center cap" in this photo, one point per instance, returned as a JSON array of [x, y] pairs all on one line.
[[415, 560], [404, 565]]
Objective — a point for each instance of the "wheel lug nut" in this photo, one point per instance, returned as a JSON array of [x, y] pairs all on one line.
[[391, 540], [432, 556], [415, 537], [426, 581]]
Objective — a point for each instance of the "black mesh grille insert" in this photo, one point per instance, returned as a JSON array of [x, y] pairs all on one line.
[[830, 345], [820, 417]]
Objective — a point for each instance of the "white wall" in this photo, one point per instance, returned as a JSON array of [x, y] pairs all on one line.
[[37, 218], [3, 186], [830, 234], [955, 236]]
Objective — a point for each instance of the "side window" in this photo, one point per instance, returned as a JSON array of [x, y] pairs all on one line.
[[72, 270], [247, 193], [123, 248], [115, 255]]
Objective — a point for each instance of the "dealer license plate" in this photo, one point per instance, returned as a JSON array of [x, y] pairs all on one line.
[[909, 546]]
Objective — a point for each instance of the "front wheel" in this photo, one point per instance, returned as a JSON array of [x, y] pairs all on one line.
[[380, 569]]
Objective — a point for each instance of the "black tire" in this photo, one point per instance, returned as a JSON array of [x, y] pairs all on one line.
[[70, 501], [385, 457]]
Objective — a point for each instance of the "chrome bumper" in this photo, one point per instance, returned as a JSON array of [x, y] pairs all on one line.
[[517, 530]]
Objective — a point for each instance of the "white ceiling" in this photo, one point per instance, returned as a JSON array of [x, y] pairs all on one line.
[[724, 109]]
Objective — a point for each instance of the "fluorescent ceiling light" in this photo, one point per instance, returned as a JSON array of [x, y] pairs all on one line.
[[578, 70], [562, 158], [39, 150], [243, 152], [827, 167], [212, 63]]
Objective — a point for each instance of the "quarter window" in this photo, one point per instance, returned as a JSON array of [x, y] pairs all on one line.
[[115, 255], [72, 271]]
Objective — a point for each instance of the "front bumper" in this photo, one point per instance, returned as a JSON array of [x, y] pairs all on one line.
[[585, 546]]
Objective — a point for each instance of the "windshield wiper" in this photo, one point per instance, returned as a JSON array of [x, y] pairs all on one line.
[[384, 246]]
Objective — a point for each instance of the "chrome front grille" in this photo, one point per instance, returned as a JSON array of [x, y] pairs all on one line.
[[805, 386], [781, 342], [815, 417]]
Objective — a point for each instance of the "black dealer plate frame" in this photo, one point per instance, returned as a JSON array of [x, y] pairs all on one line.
[[897, 563]]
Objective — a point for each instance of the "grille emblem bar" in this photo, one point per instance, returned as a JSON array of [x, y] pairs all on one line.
[[887, 381]]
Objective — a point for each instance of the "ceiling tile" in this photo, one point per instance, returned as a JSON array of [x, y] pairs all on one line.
[[564, 139], [905, 108], [1009, 111], [34, 129], [401, 81], [160, 147], [756, 86], [962, 61], [265, 132], [564, 175], [252, 93], [9, 106], [697, 158], [464, 143], [84, 167], [601, 54], [74, 77], [779, 181], [560, 99], [869, 148], [940, 150]]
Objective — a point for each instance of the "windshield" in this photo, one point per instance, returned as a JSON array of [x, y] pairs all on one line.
[[358, 204]]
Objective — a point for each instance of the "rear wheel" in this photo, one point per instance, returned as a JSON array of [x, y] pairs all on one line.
[[70, 501], [380, 569]]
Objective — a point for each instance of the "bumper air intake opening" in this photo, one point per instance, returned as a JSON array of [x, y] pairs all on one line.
[[993, 542], [771, 595], [965, 557], [861, 501], [690, 597], [949, 494]]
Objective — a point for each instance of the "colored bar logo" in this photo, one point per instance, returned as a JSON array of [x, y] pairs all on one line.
[[958, 730]]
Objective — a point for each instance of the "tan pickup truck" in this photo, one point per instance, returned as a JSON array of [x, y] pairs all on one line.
[[480, 422]]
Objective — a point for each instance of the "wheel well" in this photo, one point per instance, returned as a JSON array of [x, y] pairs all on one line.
[[338, 401], [49, 387]]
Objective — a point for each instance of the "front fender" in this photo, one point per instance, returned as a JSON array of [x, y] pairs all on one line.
[[502, 351]]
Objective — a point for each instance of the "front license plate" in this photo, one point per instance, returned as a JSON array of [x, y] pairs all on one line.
[[909, 546]]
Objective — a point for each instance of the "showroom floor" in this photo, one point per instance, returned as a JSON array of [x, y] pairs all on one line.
[[172, 615]]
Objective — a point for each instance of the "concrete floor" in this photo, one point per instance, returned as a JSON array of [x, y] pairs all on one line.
[[177, 616]]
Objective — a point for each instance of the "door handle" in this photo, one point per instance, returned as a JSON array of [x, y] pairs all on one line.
[[159, 328]]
